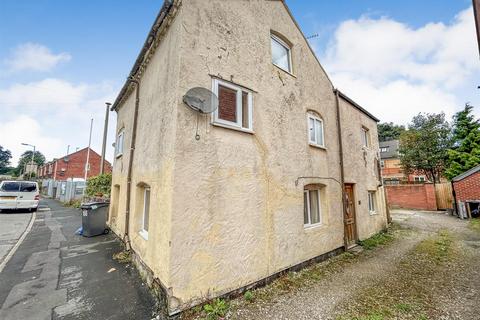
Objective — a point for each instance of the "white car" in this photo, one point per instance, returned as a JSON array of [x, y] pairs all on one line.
[[18, 195]]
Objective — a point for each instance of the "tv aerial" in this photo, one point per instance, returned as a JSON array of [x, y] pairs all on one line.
[[201, 100]]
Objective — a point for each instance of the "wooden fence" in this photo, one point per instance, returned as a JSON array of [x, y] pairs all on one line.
[[443, 193]]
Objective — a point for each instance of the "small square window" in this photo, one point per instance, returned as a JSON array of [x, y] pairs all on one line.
[[235, 106], [382, 164], [281, 54], [372, 202], [119, 143], [365, 137], [312, 211], [315, 131]]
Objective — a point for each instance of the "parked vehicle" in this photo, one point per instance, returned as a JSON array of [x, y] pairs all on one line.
[[18, 195]]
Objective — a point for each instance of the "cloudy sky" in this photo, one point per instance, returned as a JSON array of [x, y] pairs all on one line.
[[60, 61]]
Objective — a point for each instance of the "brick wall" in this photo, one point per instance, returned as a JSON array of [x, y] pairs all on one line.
[[412, 196], [75, 166], [227, 104], [468, 188]]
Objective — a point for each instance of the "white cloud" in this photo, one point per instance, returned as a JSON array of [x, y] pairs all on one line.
[[44, 94], [24, 129], [35, 57], [52, 114], [396, 71]]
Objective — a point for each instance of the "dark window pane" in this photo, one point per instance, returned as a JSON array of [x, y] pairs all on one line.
[[28, 187], [305, 208], [11, 186], [227, 104], [146, 212]]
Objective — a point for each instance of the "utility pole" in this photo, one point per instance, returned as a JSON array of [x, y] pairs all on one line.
[[476, 12], [88, 150], [105, 131], [31, 163]]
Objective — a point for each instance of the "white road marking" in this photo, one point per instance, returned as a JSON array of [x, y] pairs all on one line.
[[19, 242]]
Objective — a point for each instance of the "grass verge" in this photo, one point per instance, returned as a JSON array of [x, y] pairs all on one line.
[[409, 293], [474, 224]]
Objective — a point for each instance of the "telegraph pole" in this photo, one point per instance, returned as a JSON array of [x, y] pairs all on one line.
[[88, 150], [105, 131], [476, 11]]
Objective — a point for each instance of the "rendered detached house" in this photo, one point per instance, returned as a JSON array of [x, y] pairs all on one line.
[[212, 204]]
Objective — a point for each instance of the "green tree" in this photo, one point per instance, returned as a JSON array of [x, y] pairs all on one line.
[[389, 131], [424, 146], [26, 158], [5, 156], [465, 153]]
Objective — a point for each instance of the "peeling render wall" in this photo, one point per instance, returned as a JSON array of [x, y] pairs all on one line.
[[153, 162], [361, 169], [238, 216]]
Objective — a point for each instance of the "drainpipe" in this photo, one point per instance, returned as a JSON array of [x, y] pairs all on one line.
[[342, 171], [126, 238]]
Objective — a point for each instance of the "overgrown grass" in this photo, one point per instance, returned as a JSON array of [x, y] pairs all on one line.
[[73, 204], [123, 256], [409, 294], [216, 309], [475, 224], [379, 239]]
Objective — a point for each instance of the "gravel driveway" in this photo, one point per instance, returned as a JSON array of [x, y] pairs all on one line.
[[429, 271]]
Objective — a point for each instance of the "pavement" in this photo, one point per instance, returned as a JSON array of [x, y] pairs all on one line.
[[55, 274], [12, 227]]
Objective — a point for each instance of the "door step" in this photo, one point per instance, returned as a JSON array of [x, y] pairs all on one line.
[[355, 249]]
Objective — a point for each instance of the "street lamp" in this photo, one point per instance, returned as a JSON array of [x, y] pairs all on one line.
[[33, 156]]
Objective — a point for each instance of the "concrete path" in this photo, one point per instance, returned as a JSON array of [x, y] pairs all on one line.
[[12, 226], [56, 274], [327, 297]]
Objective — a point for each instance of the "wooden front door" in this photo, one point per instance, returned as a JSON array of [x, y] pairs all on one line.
[[350, 227]]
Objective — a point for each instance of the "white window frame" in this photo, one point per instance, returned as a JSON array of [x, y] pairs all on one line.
[[289, 50], [365, 137], [419, 178], [118, 145], [384, 149], [306, 193], [315, 120], [143, 232], [238, 125], [372, 202]]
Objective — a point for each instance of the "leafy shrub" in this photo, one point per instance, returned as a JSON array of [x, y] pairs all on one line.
[[216, 309], [248, 296], [99, 185]]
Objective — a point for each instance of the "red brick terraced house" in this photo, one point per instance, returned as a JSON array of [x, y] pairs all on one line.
[[73, 166], [466, 193]]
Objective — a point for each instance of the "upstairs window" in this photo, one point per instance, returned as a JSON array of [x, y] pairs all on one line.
[[119, 143], [384, 149], [235, 106], [365, 137], [281, 54], [315, 131]]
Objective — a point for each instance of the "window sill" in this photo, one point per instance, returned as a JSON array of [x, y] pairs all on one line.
[[226, 126], [287, 72], [308, 227], [373, 213], [143, 234], [317, 146]]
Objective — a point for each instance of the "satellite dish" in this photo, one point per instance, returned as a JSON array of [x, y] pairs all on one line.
[[201, 100]]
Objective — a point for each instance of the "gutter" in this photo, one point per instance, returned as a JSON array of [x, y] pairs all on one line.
[[126, 237], [152, 35], [342, 170]]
